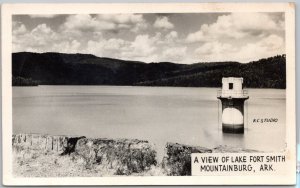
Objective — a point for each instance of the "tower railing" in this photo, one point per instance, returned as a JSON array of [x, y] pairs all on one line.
[[233, 93]]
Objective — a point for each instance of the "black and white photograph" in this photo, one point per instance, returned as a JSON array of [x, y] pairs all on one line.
[[136, 93]]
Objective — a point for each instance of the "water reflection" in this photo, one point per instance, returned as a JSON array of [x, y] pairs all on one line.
[[237, 140]]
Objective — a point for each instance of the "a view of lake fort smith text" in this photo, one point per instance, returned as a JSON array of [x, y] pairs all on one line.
[[136, 94]]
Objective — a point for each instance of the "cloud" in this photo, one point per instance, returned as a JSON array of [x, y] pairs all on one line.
[[85, 22], [43, 15], [236, 26], [42, 29], [140, 27], [43, 39], [199, 36], [67, 46], [104, 47], [40, 37], [18, 28], [163, 23], [170, 37], [214, 48], [142, 45], [176, 54], [134, 21], [239, 37], [272, 42], [72, 37], [142, 48], [269, 46], [121, 18], [217, 51], [114, 44]]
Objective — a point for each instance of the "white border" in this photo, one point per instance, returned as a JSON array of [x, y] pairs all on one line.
[[11, 9]]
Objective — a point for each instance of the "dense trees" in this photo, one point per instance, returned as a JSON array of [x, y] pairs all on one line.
[[84, 69], [19, 81], [265, 73]]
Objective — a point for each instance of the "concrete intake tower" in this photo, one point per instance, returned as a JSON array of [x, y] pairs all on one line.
[[232, 97]]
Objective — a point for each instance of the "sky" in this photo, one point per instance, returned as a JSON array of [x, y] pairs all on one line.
[[178, 37]]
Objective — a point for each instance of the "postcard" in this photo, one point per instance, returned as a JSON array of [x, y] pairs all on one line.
[[149, 94]]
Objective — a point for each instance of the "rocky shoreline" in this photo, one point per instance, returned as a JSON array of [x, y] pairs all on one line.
[[37, 155]]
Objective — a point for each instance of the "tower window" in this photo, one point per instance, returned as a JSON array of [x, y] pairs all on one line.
[[230, 85]]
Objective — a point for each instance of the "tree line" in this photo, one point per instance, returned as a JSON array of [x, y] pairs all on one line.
[[30, 69]]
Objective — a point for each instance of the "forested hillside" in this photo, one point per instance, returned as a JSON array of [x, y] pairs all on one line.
[[84, 69]]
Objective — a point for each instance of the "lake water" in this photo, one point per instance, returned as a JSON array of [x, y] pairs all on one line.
[[158, 114]]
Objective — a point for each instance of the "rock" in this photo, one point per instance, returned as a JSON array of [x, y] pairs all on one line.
[[59, 144], [231, 149], [71, 144], [177, 159], [39, 142], [110, 156], [124, 156]]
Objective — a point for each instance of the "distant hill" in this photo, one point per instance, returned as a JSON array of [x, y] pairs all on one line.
[[85, 69]]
